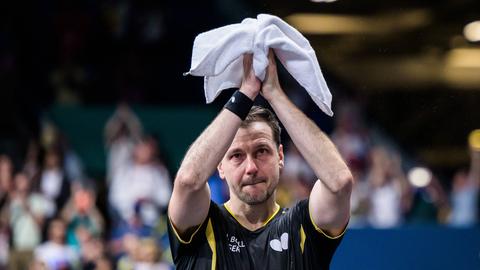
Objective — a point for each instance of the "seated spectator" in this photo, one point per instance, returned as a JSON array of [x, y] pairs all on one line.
[[55, 254], [122, 234], [26, 212], [93, 255], [82, 216], [131, 245], [149, 256]]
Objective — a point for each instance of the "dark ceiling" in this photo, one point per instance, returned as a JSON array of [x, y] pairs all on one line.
[[398, 62]]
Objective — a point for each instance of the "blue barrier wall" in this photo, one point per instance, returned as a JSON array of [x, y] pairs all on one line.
[[409, 248]]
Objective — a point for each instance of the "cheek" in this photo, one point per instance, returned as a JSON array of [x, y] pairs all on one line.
[[233, 173], [273, 167]]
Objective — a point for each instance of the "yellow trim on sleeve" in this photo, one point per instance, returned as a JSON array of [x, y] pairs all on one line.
[[322, 232], [211, 242], [302, 238], [178, 236]]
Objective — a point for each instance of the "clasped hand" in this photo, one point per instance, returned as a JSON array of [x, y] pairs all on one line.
[[252, 86]]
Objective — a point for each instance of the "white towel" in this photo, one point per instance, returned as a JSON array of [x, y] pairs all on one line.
[[218, 56]]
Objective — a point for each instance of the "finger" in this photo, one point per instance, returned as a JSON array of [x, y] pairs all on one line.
[[247, 62], [271, 57]]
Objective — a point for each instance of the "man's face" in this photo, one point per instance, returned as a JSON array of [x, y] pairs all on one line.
[[252, 164]]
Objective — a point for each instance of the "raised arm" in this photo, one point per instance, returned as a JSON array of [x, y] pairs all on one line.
[[190, 199], [329, 203], [123, 120]]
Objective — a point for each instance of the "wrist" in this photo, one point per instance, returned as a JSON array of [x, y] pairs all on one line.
[[239, 104], [274, 94], [248, 92]]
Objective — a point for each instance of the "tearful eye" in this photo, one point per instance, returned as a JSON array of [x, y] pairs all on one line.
[[262, 151], [236, 156]]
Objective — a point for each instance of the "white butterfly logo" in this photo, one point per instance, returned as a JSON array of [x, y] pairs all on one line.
[[279, 245]]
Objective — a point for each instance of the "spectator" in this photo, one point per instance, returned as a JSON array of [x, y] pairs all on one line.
[[466, 188], [6, 174], [388, 189], [26, 211], [146, 181], [297, 178], [83, 219], [218, 189], [352, 138], [149, 256], [429, 203], [31, 166], [122, 131], [53, 182], [131, 245], [55, 254], [93, 255], [125, 232]]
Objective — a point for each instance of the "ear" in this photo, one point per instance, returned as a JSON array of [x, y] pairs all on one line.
[[281, 156], [220, 171]]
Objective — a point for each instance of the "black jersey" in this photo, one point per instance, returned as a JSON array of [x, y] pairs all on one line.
[[288, 240]]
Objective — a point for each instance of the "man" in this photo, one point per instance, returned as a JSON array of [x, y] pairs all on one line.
[[250, 231]]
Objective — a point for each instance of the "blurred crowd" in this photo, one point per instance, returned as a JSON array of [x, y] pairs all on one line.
[[51, 216], [390, 189]]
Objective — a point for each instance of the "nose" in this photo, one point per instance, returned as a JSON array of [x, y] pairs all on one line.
[[251, 166]]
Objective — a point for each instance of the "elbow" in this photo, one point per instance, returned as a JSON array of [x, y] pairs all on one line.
[[343, 183], [189, 181]]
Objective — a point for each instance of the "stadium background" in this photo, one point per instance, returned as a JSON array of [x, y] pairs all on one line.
[[407, 66]]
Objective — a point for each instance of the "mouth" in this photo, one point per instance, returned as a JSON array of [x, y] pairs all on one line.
[[254, 182]]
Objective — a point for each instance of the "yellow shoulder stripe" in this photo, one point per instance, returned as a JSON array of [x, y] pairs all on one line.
[[302, 238], [211, 242]]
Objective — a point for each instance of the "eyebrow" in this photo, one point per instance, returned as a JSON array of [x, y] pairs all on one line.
[[262, 144], [234, 150]]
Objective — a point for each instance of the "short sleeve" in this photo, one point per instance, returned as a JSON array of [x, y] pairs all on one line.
[[179, 245], [317, 246], [194, 252]]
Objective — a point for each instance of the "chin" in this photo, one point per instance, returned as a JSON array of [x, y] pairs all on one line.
[[254, 199]]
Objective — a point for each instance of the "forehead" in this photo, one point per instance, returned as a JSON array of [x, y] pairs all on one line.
[[256, 131]]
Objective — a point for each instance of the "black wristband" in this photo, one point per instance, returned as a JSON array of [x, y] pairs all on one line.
[[239, 104]]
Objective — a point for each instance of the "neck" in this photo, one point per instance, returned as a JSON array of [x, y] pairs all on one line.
[[252, 217]]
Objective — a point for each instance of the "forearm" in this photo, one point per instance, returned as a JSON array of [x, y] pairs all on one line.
[[208, 150], [190, 199], [317, 149]]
